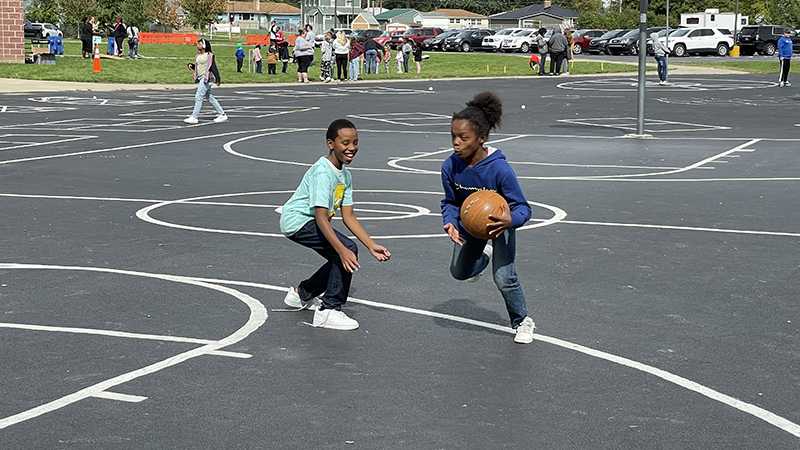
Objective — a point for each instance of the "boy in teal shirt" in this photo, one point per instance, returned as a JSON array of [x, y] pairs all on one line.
[[327, 187]]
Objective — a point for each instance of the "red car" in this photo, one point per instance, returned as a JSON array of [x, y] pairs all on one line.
[[582, 39], [417, 35], [387, 36]]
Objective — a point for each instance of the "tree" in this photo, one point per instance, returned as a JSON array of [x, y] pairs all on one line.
[[135, 11], [43, 11], [163, 12], [203, 12], [73, 11]]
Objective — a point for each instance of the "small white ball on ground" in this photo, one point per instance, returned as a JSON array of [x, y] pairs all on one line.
[[430, 88], [523, 106], [94, 97]]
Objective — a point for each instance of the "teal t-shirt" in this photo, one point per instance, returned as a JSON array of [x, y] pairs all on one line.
[[323, 185]]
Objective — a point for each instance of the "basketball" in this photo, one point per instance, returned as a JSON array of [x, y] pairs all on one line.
[[477, 208]]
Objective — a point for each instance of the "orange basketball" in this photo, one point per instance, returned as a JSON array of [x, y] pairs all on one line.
[[476, 209]]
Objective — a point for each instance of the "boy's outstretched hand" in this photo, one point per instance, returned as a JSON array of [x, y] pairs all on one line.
[[380, 252], [452, 231], [349, 261], [500, 224]]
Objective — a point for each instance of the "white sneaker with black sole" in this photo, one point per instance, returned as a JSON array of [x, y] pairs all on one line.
[[488, 250], [525, 331], [333, 319], [293, 300]]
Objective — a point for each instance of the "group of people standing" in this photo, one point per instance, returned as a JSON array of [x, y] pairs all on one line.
[[119, 31], [558, 47]]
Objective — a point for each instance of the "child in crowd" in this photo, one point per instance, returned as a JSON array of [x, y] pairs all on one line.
[[257, 57], [272, 60], [356, 50], [418, 56], [239, 57], [473, 167], [306, 219], [387, 56], [399, 59], [327, 55], [205, 75]]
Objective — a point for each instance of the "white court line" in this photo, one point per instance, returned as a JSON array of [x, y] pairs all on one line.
[[258, 315], [120, 397], [37, 144], [395, 162], [125, 147], [682, 228], [760, 413]]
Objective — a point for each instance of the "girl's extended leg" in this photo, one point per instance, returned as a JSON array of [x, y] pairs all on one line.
[[202, 89], [214, 101], [505, 276]]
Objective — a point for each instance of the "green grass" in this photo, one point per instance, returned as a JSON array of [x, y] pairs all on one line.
[[168, 66], [746, 66]]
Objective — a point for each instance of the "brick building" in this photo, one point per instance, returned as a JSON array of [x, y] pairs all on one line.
[[12, 33]]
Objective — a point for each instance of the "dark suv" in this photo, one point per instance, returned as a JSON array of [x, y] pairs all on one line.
[[764, 39], [599, 45], [33, 30], [629, 42], [363, 35], [466, 40]]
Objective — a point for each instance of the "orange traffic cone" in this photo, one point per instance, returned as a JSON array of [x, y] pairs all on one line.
[[96, 59]]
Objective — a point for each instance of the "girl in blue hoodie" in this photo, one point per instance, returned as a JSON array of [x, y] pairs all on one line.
[[474, 166]]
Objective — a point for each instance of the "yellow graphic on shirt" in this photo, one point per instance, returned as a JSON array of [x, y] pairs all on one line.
[[338, 196]]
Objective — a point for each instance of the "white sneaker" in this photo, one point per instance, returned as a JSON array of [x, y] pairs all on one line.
[[333, 319], [662, 83], [525, 331], [190, 120], [293, 300], [488, 250], [221, 118]]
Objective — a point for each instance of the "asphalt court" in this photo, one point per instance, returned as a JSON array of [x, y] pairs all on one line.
[[143, 271]]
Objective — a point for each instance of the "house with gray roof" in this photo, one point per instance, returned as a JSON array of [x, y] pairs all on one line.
[[545, 15], [326, 14]]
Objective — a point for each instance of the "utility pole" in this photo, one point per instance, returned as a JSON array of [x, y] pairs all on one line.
[[642, 66]]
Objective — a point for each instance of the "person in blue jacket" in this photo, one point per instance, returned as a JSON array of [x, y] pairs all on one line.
[[785, 56], [472, 167], [239, 57]]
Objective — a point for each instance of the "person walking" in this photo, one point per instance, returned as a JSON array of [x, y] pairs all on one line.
[[206, 75], [660, 54], [785, 56], [542, 48], [558, 48]]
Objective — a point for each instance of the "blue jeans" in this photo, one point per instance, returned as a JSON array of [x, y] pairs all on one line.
[[469, 260], [332, 278], [204, 92], [542, 59], [662, 67], [258, 66], [372, 63], [353, 72], [405, 62], [133, 49]]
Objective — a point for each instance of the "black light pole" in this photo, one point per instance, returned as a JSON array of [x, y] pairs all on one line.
[[642, 65]]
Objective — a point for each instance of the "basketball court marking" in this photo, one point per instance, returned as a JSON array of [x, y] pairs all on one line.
[[415, 119], [256, 112], [127, 147], [93, 101], [685, 84], [380, 90], [651, 125], [144, 214], [258, 315], [13, 145], [14, 109]]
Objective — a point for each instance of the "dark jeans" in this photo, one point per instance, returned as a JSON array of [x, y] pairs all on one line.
[[543, 59], [332, 278], [258, 66], [557, 59]]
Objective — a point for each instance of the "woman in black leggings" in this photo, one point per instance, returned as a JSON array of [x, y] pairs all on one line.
[[341, 48]]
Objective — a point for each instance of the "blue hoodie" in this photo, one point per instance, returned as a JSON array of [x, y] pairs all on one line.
[[784, 47], [493, 173]]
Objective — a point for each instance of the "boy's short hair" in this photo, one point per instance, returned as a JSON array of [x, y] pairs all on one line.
[[786, 30], [335, 126]]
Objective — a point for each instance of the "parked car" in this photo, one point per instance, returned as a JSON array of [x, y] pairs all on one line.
[[628, 43], [363, 35], [764, 39], [435, 43], [494, 42], [661, 34], [599, 45], [385, 36], [48, 29], [466, 40], [521, 41], [33, 30], [699, 40], [583, 38], [418, 35]]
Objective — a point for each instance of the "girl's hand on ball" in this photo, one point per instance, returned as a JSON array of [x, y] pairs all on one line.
[[452, 231], [500, 224]]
